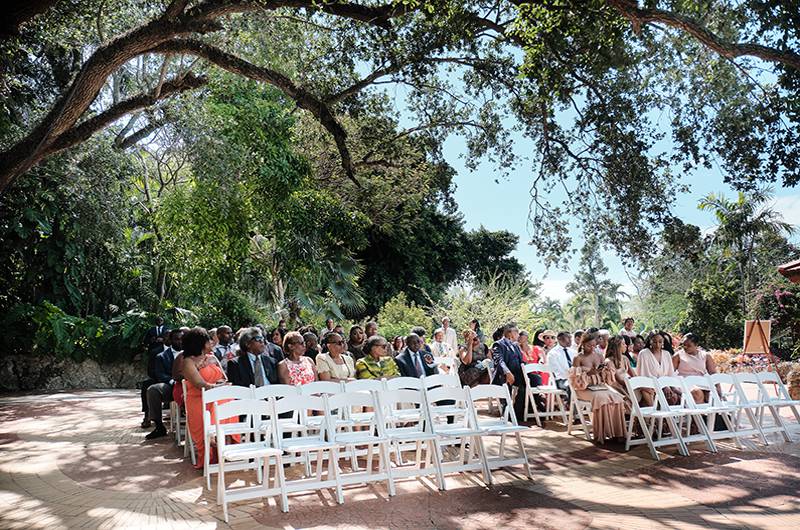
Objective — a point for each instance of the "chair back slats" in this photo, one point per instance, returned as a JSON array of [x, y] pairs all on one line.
[[276, 391], [364, 385], [442, 380], [397, 383], [318, 388]]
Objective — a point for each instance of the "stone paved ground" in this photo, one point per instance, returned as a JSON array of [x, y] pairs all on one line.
[[79, 460]]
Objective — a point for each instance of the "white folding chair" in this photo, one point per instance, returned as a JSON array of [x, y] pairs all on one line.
[[364, 385], [464, 429], [244, 427], [657, 411], [762, 403], [372, 437], [188, 446], [780, 397], [415, 432], [316, 441], [444, 380], [737, 399], [583, 409], [503, 426], [403, 383], [684, 410], [259, 451], [276, 391], [552, 394], [318, 388], [713, 409]]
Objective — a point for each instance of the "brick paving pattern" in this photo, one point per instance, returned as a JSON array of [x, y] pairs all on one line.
[[79, 460]]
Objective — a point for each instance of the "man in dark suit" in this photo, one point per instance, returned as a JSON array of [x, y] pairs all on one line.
[[160, 392], [252, 366], [411, 361], [507, 358]]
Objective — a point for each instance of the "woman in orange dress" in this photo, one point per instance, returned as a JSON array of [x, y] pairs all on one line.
[[201, 371]]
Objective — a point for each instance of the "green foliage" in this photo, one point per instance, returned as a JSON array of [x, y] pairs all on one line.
[[398, 316], [51, 331], [713, 310], [234, 309], [597, 300], [494, 303]]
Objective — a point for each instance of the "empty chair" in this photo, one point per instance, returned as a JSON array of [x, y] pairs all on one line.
[[446, 380], [316, 442], [463, 430], [738, 400], [554, 396], [318, 388], [762, 404], [692, 415], [371, 437], [364, 385], [214, 395], [260, 451], [414, 434], [646, 417], [502, 426], [779, 397], [276, 391]]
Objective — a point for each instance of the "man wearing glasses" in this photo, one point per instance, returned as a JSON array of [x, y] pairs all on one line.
[[252, 366]]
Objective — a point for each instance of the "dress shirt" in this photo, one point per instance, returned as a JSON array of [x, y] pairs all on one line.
[[258, 370], [560, 360]]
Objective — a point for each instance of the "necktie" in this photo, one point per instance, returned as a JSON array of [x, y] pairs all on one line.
[[258, 372], [569, 361], [418, 364]]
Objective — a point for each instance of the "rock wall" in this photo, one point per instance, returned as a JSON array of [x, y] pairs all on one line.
[[23, 373]]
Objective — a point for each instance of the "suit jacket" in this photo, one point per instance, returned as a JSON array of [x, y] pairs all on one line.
[[507, 357], [406, 364], [240, 371], [274, 351], [163, 366]]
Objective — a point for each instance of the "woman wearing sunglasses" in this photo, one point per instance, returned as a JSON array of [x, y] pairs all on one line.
[[296, 368], [335, 365]]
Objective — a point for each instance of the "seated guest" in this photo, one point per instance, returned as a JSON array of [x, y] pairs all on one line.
[[224, 350], [338, 328], [534, 354], [296, 368], [252, 366], [618, 362], [376, 363], [560, 361], [420, 332], [329, 325], [202, 371], [669, 342], [655, 361], [398, 343], [160, 393], [627, 350], [590, 377], [273, 349], [154, 348], [334, 365], [627, 328], [637, 345], [312, 348], [474, 367], [693, 360], [355, 343], [602, 341], [475, 326], [412, 360], [439, 348], [507, 359], [576, 340]]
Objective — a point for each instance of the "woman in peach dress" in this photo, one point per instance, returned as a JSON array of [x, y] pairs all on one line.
[[617, 361], [201, 371], [591, 379]]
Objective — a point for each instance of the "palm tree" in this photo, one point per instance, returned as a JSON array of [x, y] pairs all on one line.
[[741, 225]]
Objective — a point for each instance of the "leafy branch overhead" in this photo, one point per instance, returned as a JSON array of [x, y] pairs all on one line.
[[612, 94]]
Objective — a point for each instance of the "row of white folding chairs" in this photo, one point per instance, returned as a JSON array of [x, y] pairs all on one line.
[[326, 438], [728, 406], [554, 396], [347, 418]]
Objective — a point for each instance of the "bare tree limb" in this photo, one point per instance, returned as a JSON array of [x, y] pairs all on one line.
[[142, 133], [302, 97], [85, 129], [630, 10]]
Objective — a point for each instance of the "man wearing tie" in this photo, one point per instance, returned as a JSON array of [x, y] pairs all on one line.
[[560, 360], [507, 358], [252, 366], [411, 362]]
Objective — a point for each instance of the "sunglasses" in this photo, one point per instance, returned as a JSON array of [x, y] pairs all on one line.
[[258, 338], [548, 337]]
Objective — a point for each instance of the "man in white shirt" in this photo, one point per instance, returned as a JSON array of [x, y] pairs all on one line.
[[450, 335], [439, 348], [627, 328], [560, 360]]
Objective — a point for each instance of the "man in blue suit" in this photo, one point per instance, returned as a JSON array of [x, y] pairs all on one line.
[[507, 358], [411, 361]]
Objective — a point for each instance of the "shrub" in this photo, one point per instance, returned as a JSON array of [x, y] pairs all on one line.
[[398, 316]]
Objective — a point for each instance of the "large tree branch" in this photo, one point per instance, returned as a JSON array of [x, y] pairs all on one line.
[[302, 97], [84, 130], [630, 10]]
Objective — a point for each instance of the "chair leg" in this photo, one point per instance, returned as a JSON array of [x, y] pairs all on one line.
[[387, 464], [333, 466], [524, 455]]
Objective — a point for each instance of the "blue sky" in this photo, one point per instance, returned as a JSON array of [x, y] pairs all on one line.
[[505, 205]]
